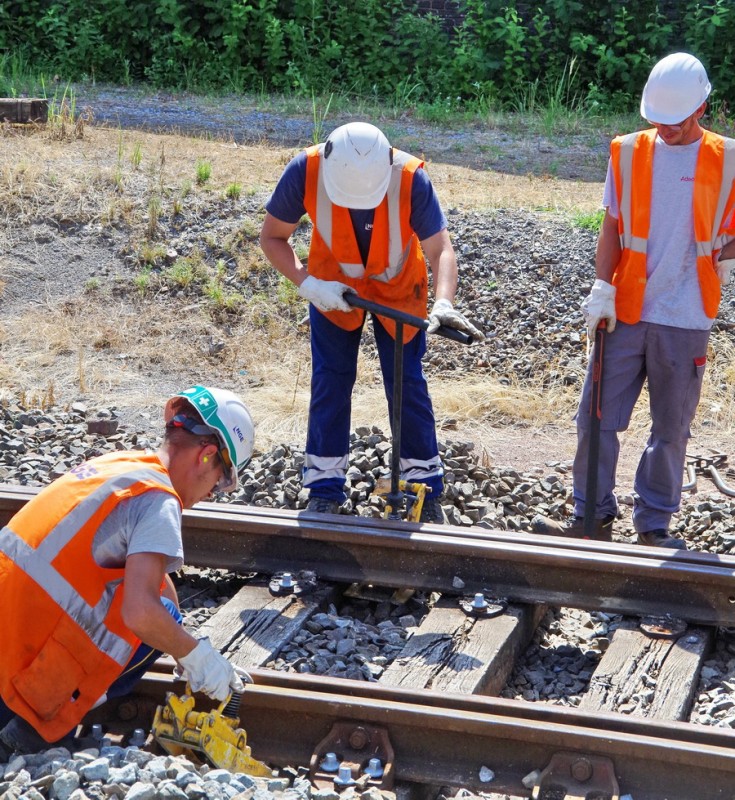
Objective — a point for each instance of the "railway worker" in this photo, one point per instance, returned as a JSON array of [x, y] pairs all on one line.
[[88, 604], [376, 219], [664, 250]]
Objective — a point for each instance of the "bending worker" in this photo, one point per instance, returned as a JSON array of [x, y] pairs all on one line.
[[84, 573], [376, 218], [665, 247]]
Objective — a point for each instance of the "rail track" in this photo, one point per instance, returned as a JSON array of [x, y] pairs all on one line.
[[432, 711]]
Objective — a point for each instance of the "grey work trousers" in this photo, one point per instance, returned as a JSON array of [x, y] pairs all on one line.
[[673, 360]]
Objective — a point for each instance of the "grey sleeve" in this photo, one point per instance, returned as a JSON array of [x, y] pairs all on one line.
[[610, 195], [148, 523]]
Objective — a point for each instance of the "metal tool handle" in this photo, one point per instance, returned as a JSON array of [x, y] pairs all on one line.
[[593, 456], [407, 319]]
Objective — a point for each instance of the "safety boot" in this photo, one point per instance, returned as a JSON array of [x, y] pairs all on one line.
[[322, 505], [432, 511], [659, 537], [602, 531], [20, 737]]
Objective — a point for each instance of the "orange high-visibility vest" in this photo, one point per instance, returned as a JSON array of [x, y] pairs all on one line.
[[395, 273], [713, 203], [64, 640]]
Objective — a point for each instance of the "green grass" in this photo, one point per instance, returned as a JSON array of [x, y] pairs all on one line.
[[590, 222]]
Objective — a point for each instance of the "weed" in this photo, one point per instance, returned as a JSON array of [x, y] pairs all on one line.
[[186, 188], [92, 285], [590, 222], [151, 254], [318, 117], [287, 293], [137, 155], [142, 281], [184, 272], [203, 171], [154, 212], [233, 191]]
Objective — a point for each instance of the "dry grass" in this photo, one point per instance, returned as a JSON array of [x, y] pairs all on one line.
[[133, 353]]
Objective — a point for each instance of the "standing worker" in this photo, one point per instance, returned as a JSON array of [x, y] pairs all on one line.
[[665, 247], [84, 573], [375, 219]]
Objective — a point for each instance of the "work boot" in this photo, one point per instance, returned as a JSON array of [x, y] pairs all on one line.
[[575, 529], [322, 505], [20, 737], [432, 511], [659, 537]]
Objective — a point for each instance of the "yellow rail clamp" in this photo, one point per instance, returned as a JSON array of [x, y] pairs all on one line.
[[180, 730], [415, 493]]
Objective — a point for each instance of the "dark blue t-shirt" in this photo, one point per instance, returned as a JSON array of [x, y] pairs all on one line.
[[287, 204]]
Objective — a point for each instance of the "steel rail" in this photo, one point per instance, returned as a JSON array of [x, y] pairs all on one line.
[[616, 578], [445, 739]]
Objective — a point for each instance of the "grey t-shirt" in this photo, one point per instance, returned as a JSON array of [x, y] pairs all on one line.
[[147, 523], [672, 296]]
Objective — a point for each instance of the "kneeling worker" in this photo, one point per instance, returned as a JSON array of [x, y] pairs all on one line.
[[88, 604]]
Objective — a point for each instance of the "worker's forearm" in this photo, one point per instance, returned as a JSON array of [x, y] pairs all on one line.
[[283, 257], [728, 251], [608, 250], [155, 627], [445, 277], [443, 262]]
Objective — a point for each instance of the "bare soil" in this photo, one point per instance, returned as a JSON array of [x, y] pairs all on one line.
[[76, 230]]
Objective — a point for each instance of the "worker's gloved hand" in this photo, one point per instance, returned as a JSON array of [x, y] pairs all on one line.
[[444, 313], [208, 671], [599, 304], [724, 270], [325, 295]]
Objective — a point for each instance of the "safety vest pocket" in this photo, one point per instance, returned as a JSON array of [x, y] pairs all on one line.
[[53, 677]]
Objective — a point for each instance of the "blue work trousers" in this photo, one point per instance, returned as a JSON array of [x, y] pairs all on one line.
[[334, 371], [673, 361]]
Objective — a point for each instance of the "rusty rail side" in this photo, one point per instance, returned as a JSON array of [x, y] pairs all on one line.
[[627, 579], [442, 739]]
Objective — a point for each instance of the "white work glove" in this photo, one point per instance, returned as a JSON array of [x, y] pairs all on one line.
[[206, 670], [599, 304], [724, 270], [444, 313], [325, 295]]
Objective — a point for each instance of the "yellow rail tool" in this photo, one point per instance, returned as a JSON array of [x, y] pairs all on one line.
[[181, 730]]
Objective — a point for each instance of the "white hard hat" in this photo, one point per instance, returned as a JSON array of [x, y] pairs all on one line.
[[676, 88], [357, 165], [224, 415]]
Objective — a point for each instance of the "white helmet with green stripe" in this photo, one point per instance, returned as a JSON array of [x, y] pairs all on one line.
[[226, 416]]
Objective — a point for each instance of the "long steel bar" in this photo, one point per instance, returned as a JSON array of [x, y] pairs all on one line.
[[443, 739], [698, 587]]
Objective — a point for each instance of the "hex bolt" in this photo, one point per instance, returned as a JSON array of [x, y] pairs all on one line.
[[581, 770], [138, 738], [286, 581], [479, 602], [374, 768], [359, 739], [330, 763], [344, 777]]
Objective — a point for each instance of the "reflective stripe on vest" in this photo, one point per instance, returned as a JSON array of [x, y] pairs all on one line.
[[394, 272], [64, 637], [397, 254], [713, 202], [37, 564]]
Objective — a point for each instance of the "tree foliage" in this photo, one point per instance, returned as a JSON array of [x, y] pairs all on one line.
[[587, 52]]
